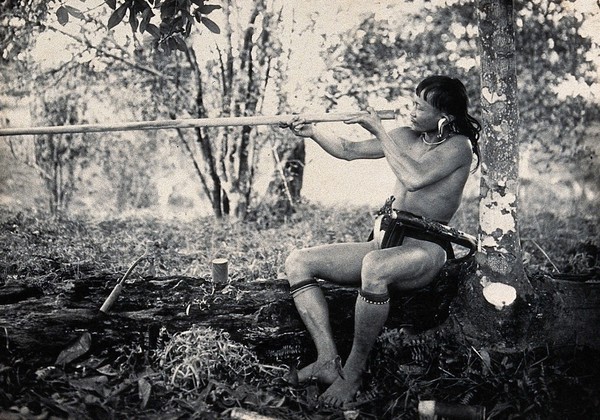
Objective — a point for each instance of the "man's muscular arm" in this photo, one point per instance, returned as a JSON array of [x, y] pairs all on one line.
[[432, 166], [342, 148], [339, 147]]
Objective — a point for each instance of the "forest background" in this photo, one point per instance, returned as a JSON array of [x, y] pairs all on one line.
[[76, 209], [373, 55]]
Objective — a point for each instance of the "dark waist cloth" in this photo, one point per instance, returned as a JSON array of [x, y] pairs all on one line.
[[402, 227], [402, 224]]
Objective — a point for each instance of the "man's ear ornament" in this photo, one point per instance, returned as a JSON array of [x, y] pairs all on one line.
[[443, 123]]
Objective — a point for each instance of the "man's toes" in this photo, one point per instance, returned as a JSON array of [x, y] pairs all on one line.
[[329, 401]]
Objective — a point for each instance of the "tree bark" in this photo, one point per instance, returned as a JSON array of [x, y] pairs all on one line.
[[495, 300], [285, 188]]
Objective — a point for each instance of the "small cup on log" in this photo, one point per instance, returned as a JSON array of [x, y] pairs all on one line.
[[220, 270]]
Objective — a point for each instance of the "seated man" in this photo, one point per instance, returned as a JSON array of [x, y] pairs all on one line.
[[431, 160]]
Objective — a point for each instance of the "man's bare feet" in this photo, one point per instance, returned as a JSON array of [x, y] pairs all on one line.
[[343, 390], [324, 372]]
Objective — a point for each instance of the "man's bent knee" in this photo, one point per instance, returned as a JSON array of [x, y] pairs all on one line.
[[415, 270], [297, 266], [374, 274]]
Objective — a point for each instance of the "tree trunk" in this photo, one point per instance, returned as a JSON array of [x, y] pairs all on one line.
[[495, 299], [285, 188], [227, 157]]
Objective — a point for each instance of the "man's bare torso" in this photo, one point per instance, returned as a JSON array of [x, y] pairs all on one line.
[[439, 200]]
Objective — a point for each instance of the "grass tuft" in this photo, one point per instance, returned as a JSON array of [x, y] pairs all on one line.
[[194, 357]]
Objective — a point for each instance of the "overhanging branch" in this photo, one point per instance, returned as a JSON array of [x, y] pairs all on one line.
[[108, 54]]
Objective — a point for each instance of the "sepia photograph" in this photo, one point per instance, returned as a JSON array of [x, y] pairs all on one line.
[[289, 210]]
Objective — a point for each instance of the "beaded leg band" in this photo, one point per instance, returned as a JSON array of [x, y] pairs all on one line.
[[374, 298], [302, 286]]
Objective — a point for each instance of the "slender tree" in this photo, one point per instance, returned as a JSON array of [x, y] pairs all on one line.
[[233, 81], [60, 159], [495, 297]]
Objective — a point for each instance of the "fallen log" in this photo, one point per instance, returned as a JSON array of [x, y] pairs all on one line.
[[13, 293], [41, 326]]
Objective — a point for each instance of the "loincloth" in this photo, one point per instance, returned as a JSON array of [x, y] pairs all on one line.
[[392, 226]]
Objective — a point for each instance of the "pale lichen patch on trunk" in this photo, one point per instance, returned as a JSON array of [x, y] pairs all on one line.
[[497, 215], [499, 294], [492, 97]]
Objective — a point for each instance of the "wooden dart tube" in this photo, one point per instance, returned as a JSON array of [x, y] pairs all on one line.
[[192, 122]]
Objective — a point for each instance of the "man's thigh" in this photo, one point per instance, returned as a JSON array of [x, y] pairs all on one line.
[[338, 263], [410, 266]]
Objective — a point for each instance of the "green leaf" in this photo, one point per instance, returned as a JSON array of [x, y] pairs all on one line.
[[133, 20], [111, 3], [153, 30], [117, 16], [74, 12], [62, 15], [180, 43], [79, 348], [211, 25], [207, 8], [146, 16]]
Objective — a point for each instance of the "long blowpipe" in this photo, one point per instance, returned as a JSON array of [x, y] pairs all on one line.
[[191, 122]]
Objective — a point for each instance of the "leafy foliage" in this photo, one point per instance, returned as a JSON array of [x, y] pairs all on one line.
[[16, 30], [233, 80], [131, 180], [552, 49], [176, 19], [518, 385], [93, 169], [388, 57], [64, 11], [61, 158]]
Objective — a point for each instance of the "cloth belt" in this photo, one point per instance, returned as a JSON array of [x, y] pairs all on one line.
[[400, 224]]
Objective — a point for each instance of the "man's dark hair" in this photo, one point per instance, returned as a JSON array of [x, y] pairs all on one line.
[[450, 96]]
